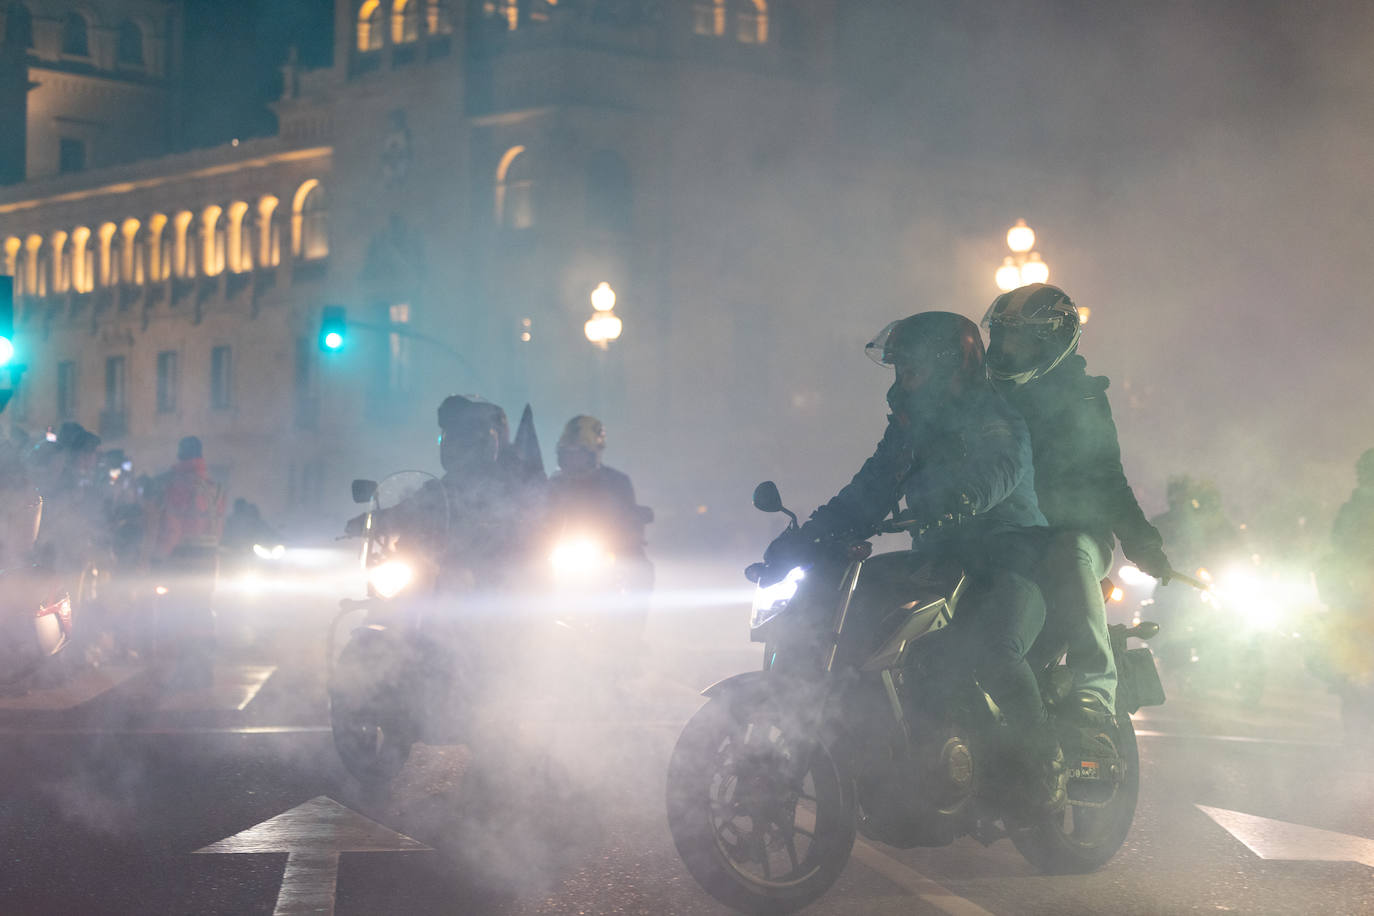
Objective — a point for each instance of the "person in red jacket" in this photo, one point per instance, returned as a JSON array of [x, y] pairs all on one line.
[[186, 519]]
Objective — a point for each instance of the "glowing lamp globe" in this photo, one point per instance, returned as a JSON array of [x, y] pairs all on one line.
[[1008, 276], [1020, 238], [603, 297], [1035, 270]]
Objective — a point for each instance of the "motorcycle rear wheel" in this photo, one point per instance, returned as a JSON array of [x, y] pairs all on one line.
[[745, 791], [1082, 839]]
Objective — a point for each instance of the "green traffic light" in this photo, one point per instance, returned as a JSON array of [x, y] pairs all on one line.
[[333, 341]]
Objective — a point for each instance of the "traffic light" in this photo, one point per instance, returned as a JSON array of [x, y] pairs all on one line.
[[333, 328], [6, 320]]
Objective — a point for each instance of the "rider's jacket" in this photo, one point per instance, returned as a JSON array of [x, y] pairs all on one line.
[[972, 459], [603, 500], [1352, 534], [1078, 474], [492, 515]]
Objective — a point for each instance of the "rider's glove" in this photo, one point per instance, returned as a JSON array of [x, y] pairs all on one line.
[[1151, 561]]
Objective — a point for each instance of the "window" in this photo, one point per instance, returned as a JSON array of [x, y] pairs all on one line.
[[221, 378], [159, 248], [370, 35], [82, 260], [74, 36], [609, 200], [129, 50], [135, 252], [752, 22], [167, 380], [115, 397], [708, 17], [437, 20], [310, 239], [508, 11], [514, 190], [110, 255], [213, 241], [71, 155], [66, 390], [184, 246], [269, 232], [18, 26], [405, 21], [240, 238], [61, 262]]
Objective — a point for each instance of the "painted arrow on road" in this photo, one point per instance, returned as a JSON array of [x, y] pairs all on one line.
[[312, 835], [1270, 839]]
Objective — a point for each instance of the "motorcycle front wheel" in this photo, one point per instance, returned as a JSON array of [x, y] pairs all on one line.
[[760, 811], [373, 747], [1089, 831]]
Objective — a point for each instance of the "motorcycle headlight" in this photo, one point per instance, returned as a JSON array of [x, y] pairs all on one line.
[[275, 552], [578, 556], [389, 578], [772, 600]]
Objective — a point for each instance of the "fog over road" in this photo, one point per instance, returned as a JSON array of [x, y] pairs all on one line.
[[108, 800]]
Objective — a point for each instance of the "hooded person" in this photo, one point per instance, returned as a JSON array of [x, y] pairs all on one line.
[[585, 491], [1081, 487], [953, 449]]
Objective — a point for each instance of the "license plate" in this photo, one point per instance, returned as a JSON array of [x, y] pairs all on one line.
[[1086, 769]]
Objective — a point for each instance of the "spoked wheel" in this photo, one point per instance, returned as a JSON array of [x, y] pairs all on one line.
[[373, 747], [761, 814], [1091, 828]]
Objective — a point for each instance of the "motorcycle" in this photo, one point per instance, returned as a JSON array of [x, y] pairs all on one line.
[[35, 610], [395, 682], [855, 726]]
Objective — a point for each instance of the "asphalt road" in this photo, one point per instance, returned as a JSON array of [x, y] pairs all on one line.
[[114, 789]]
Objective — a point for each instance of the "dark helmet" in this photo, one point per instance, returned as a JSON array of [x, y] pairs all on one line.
[[1045, 312], [947, 342], [474, 432]]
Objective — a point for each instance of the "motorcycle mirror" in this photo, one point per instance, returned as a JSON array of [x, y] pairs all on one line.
[[364, 490], [767, 498]]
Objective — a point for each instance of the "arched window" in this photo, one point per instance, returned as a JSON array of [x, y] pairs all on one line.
[[109, 255], [74, 40], [213, 240], [240, 238], [18, 26], [12, 246], [184, 246], [309, 230], [157, 240], [708, 17], [269, 232], [35, 283], [437, 19], [83, 260], [61, 262], [370, 24], [405, 21], [751, 23], [135, 252], [610, 203], [129, 50], [514, 190], [119, 261]]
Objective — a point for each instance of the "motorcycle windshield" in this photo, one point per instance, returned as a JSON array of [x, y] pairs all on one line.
[[411, 505]]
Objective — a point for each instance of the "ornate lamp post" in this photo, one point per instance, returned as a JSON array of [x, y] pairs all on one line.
[[603, 327], [1023, 265]]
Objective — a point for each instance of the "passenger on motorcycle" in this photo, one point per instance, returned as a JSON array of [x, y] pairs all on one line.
[[587, 497], [1082, 489], [960, 457]]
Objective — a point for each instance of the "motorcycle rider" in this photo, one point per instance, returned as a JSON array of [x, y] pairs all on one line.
[[1346, 579], [583, 492], [186, 515], [1082, 489], [961, 457]]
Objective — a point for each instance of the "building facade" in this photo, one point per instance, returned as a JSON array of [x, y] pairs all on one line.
[[459, 180]]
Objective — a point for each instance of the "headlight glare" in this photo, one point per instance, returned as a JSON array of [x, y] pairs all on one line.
[[390, 578], [772, 600]]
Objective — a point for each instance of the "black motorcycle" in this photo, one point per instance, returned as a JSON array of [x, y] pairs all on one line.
[[856, 724], [396, 680]]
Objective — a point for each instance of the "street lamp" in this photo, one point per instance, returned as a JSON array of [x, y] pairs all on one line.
[[1023, 265], [603, 327]]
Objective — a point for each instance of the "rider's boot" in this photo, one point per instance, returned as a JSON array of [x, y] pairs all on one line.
[[1044, 774]]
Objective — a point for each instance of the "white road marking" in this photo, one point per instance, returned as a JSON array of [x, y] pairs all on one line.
[[313, 834], [1271, 839], [234, 687], [904, 876]]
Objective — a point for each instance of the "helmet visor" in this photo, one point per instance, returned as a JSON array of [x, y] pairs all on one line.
[[877, 349]]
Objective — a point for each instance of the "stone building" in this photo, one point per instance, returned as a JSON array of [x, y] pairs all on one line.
[[459, 180]]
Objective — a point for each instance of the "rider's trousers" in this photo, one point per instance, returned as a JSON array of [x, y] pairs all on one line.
[[1070, 578]]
